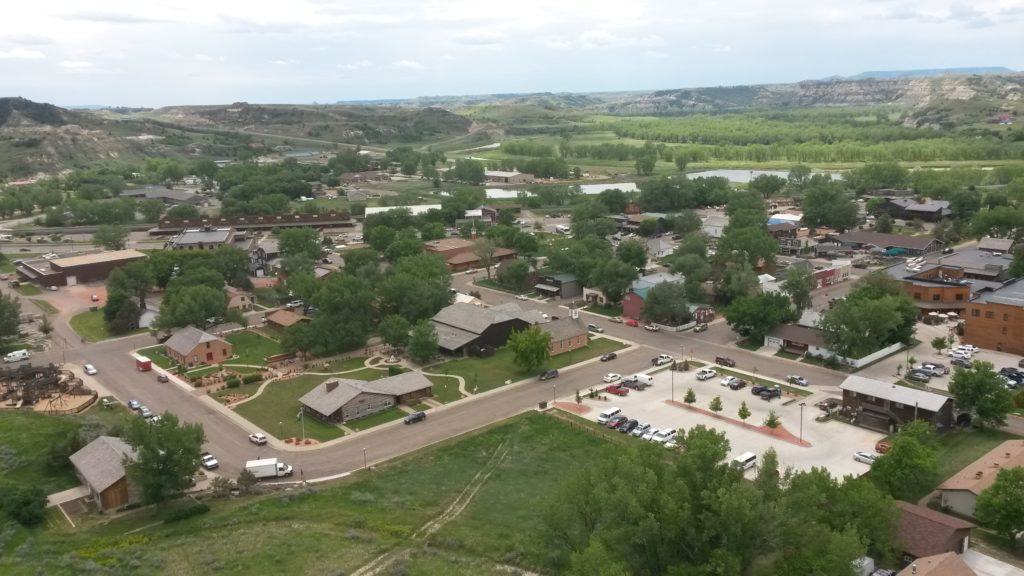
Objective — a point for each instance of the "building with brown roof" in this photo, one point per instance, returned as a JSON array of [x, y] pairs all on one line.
[[960, 492], [77, 268], [190, 346], [913, 209], [890, 243], [995, 319], [926, 532], [239, 299], [884, 406], [459, 255], [100, 466], [797, 340], [283, 318], [341, 399], [947, 564], [567, 334]]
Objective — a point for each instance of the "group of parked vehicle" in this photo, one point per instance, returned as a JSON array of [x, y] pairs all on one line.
[[614, 418]]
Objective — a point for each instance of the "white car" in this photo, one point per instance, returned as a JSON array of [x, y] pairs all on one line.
[[961, 354], [521, 297], [90, 370], [706, 374], [666, 435], [612, 377], [641, 429], [209, 461], [50, 256], [728, 380], [967, 348], [671, 445], [865, 457], [651, 327], [650, 434], [257, 438], [145, 412]]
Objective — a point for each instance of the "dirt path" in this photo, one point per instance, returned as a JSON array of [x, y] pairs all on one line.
[[380, 563]]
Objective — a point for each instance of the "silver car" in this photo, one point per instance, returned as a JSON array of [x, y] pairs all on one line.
[[865, 457], [640, 430]]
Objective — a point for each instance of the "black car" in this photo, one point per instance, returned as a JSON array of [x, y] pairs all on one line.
[[737, 384], [768, 393], [549, 374], [961, 363], [725, 361], [415, 417], [628, 427], [756, 390], [609, 356]]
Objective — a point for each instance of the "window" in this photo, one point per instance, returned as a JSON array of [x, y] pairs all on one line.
[[990, 314], [936, 297], [1006, 317], [959, 297], [975, 312], [1004, 330], [898, 405], [917, 295]]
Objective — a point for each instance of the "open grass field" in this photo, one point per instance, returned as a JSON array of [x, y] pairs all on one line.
[[337, 528], [156, 354], [446, 388], [274, 410], [251, 348], [26, 289], [344, 364], [957, 449], [484, 374], [90, 325]]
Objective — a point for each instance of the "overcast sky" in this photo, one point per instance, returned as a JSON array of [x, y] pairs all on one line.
[[162, 52]]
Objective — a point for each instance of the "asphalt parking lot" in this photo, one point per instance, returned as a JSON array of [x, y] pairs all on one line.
[[832, 443]]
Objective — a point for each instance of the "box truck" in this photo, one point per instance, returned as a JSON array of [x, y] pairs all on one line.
[[268, 468]]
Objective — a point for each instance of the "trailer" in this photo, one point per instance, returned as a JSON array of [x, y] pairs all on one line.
[[143, 364]]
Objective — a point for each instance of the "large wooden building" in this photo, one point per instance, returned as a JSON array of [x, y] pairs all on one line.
[[100, 466], [340, 399], [883, 406]]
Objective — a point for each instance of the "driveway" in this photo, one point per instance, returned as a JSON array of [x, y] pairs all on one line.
[[832, 443]]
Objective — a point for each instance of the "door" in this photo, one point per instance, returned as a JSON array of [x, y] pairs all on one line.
[[72, 280]]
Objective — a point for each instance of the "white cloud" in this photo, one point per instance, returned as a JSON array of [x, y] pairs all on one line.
[[77, 65], [283, 62], [355, 65], [482, 38], [720, 47], [408, 64], [112, 17], [21, 54], [602, 39], [557, 43], [202, 58], [33, 39]]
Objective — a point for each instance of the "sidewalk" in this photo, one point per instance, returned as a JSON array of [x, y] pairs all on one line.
[[66, 496]]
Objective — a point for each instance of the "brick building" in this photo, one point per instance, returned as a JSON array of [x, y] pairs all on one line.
[[191, 346], [75, 269], [995, 319], [458, 253]]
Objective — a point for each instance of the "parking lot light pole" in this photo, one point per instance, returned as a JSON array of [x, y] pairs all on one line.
[[364, 458], [802, 404], [554, 394]]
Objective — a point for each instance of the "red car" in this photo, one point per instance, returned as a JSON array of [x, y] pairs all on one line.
[[882, 446], [617, 390], [617, 421], [631, 322]]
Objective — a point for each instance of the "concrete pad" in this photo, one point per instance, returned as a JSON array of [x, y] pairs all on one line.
[[832, 443], [989, 566]]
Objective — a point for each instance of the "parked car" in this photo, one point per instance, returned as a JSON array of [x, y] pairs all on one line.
[[918, 376], [651, 327], [865, 457], [798, 380], [133, 404], [617, 390], [294, 304], [650, 433], [882, 446], [629, 426], [616, 319], [631, 322], [934, 370], [971, 348], [609, 356], [208, 460], [661, 359], [640, 429], [725, 361], [702, 327], [706, 374], [738, 384], [161, 377], [549, 374], [617, 421], [612, 377], [1020, 363], [415, 417], [258, 438], [728, 380], [961, 354], [94, 298], [756, 390], [90, 370], [966, 364], [828, 404], [595, 328], [768, 393], [521, 297], [671, 445], [153, 419], [664, 436], [145, 412]]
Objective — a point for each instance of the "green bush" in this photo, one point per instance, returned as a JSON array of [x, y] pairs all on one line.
[[185, 512], [250, 378], [395, 370], [233, 383], [25, 504]]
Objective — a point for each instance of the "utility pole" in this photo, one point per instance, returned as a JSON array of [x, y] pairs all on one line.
[[802, 404], [364, 458]]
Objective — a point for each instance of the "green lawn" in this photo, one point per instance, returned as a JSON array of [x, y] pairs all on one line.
[[247, 389], [959, 448], [494, 285], [338, 527], [26, 289], [446, 388], [90, 325], [274, 410], [344, 364], [45, 306], [377, 419], [610, 311], [268, 297], [484, 374], [752, 345], [198, 372], [420, 407], [156, 354], [252, 348]]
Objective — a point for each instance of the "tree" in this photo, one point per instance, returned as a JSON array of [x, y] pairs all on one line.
[[423, 342], [744, 412], [884, 224], [394, 331], [797, 179], [469, 171], [909, 469], [416, 287], [767, 185], [772, 420], [738, 279], [690, 397], [647, 227], [645, 164], [10, 315], [798, 285], [134, 279], [514, 274], [484, 249], [530, 348], [826, 204], [182, 212], [939, 342], [24, 503], [1001, 505], [167, 454], [753, 316], [666, 304], [613, 278], [632, 252], [716, 404], [681, 161], [303, 242], [686, 222], [110, 236], [151, 209], [769, 478], [980, 391], [342, 300], [191, 305], [432, 231]]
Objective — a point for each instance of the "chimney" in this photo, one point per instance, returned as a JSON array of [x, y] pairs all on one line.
[[334, 384]]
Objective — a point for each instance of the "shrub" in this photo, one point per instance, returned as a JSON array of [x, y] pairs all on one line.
[[250, 378], [24, 503], [233, 383], [185, 512], [394, 370]]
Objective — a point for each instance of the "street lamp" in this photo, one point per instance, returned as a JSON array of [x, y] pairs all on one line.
[[802, 404], [554, 394], [280, 429], [364, 458]]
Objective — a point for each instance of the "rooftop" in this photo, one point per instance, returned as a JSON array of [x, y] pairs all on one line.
[[886, 240], [981, 473], [160, 192], [500, 174], [419, 209], [470, 318], [194, 236], [895, 393], [101, 462], [995, 244], [1009, 294], [924, 206], [186, 339], [564, 328], [285, 318], [97, 258], [924, 531], [333, 393], [446, 244], [801, 334], [945, 564]]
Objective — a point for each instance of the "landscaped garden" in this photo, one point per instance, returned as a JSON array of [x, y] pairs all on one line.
[[251, 348], [482, 374], [446, 388]]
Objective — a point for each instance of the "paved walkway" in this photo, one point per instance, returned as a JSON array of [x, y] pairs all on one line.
[[66, 496]]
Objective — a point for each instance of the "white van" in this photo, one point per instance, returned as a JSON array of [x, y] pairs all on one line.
[[563, 229], [745, 461], [607, 415], [642, 379], [17, 356], [6, 238]]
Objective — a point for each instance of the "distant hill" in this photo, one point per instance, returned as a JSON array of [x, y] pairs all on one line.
[[929, 72]]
